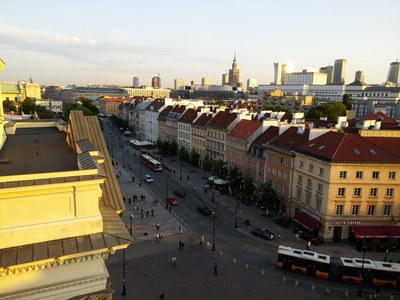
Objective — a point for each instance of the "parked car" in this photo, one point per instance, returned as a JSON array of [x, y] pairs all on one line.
[[173, 200], [204, 210], [263, 233], [179, 192], [148, 178]]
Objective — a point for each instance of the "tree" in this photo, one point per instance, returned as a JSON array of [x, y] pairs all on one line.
[[88, 103], [194, 158], [220, 170], [235, 179], [347, 101], [266, 195], [9, 106], [28, 107], [44, 113], [277, 108], [207, 163], [331, 110]]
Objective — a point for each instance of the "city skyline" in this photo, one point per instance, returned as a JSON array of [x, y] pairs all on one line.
[[98, 43]]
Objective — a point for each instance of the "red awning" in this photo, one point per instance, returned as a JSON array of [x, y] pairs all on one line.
[[376, 231], [393, 231], [306, 220]]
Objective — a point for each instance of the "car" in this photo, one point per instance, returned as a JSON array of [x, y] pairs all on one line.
[[173, 200], [179, 192], [263, 233], [148, 178], [204, 210]]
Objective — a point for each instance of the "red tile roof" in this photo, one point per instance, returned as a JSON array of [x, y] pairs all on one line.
[[176, 112], [222, 120], [188, 116], [384, 118], [390, 144], [164, 113], [268, 135], [244, 129], [335, 146], [290, 139], [203, 119], [156, 105]]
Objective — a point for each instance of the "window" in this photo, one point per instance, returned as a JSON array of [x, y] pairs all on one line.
[[309, 183], [387, 210], [321, 171], [269, 170], [339, 209], [375, 175], [355, 210], [373, 192], [301, 166], [357, 192], [299, 194], [392, 175], [359, 174], [389, 192], [284, 176], [310, 168], [308, 198], [318, 202], [300, 180], [319, 189], [371, 210], [343, 174], [341, 191], [286, 162]]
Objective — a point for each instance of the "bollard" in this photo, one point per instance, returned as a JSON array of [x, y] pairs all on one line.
[[313, 287], [296, 283], [346, 293], [262, 272], [234, 260], [284, 279], [327, 291], [391, 297], [220, 253], [247, 266]]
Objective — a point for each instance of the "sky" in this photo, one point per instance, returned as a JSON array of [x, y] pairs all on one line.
[[108, 42]]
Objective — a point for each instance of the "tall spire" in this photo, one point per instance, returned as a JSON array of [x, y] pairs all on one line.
[[234, 58]]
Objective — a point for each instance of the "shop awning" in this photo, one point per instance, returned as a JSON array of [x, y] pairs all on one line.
[[376, 231], [306, 220]]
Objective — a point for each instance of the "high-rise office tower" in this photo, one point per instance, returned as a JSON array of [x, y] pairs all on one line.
[[225, 79], [206, 81], [178, 84], [279, 73], [234, 73], [251, 84], [394, 72], [156, 82], [135, 82], [328, 70], [359, 76], [339, 71]]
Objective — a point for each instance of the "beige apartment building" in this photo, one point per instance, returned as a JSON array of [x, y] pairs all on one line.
[[171, 122], [344, 180], [199, 132]]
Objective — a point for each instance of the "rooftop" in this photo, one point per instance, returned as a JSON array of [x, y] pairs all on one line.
[[244, 129], [36, 150]]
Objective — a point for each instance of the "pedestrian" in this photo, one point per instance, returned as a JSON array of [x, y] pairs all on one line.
[[140, 183], [215, 269], [158, 226], [183, 245], [133, 178], [180, 229], [129, 180], [162, 296], [157, 237], [180, 245], [147, 213], [152, 212], [141, 210], [308, 245], [130, 200], [194, 189], [187, 178], [201, 240], [296, 236], [123, 199]]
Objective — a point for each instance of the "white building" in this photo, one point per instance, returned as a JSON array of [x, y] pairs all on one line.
[[311, 78]]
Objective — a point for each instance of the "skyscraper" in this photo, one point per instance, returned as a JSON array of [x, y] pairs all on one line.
[[179, 83], [156, 82], [339, 71], [234, 74], [328, 70], [394, 72], [225, 79], [279, 73], [206, 81], [135, 82]]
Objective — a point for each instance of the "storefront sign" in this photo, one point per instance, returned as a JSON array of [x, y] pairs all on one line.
[[312, 215], [346, 222]]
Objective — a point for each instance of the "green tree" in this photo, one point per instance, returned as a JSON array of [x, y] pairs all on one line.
[[194, 158], [347, 101], [235, 179], [88, 103], [247, 190], [44, 113], [28, 107], [219, 169], [331, 110], [9, 106], [266, 195], [207, 163], [277, 108]]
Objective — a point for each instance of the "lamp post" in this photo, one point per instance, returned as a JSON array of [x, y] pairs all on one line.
[[180, 169], [123, 156], [123, 274], [213, 241], [131, 228], [166, 190], [213, 187], [236, 203], [359, 293]]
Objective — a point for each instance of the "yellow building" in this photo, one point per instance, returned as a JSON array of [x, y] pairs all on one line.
[[346, 180], [18, 91], [59, 205], [112, 106]]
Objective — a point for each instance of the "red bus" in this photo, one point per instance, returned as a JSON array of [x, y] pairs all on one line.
[[152, 163]]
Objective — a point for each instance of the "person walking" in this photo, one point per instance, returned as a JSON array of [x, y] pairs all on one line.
[[215, 269], [158, 226], [152, 212], [162, 296], [308, 245], [194, 189], [202, 240]]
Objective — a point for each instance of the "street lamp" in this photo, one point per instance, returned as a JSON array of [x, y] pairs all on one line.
[[236, 203], [166, 190], [123, 155], [180, 169], [123, 274], [131, 228], [213, 241], [359, 293]]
